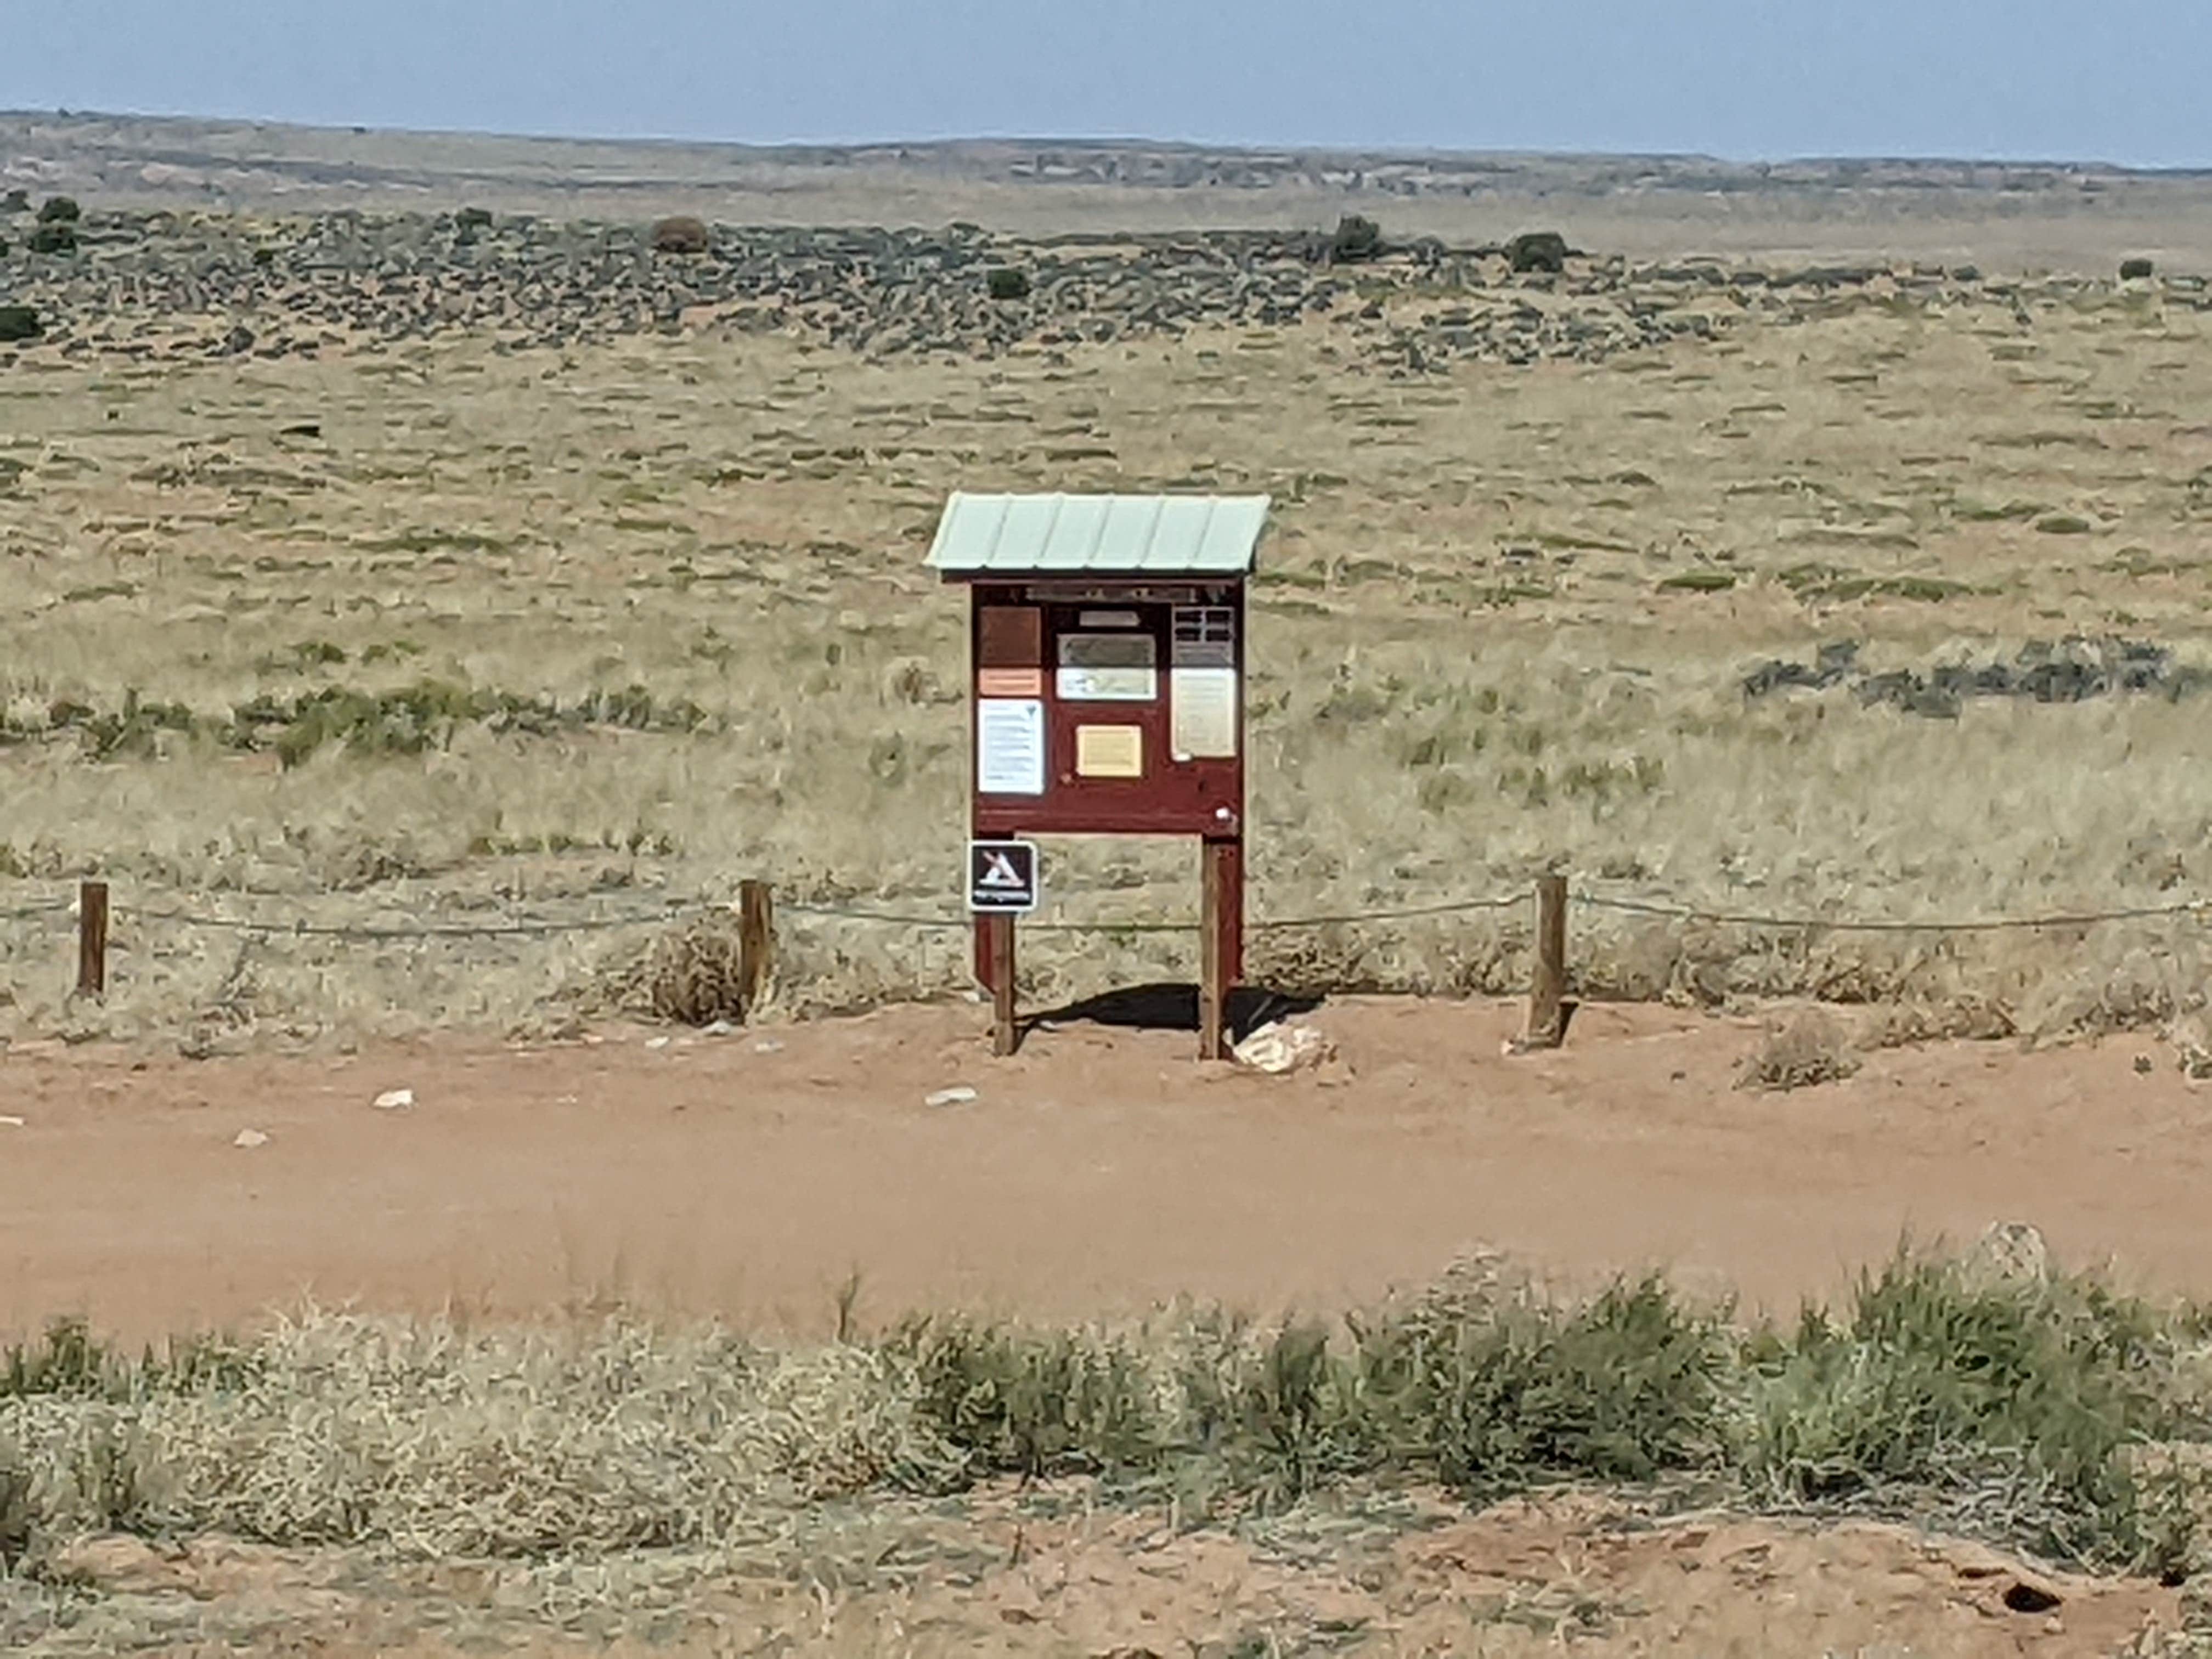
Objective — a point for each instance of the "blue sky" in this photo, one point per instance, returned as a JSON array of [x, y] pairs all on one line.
[[2125, 81]]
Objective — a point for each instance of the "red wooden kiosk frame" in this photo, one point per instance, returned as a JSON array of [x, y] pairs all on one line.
[[1109, 701]]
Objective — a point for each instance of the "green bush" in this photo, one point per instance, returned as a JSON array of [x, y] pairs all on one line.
[[1355, 239], [1005, 283], [1942, 1378], [470, 220], [60, 210], [2134, 270], [681, 235], [16, 201], [1538, 251], [19, 323], [53, 238]]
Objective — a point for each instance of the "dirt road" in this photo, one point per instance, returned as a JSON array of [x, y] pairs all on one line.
[[1098, 1172]]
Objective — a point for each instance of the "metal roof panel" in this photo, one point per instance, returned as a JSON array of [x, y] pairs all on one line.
[[1153, 535]]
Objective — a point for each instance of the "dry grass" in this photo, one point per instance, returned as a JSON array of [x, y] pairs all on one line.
[[1812, 1046], [1472, 654]]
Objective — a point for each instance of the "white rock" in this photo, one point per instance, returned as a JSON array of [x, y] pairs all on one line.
[[770, 1046], [11, 1122], [251, 1138], [719, 1027], [656, 1042], [1279, 1049], [392, 1099], [960, 1094]]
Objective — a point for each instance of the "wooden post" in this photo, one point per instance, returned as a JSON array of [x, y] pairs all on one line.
[[92, 939], [755, 941], [1548, 990], [1213, 948], [1006, 1033]]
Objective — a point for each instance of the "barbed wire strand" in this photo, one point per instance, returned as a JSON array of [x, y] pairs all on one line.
[[1820, 924], [676, 910], [367, 932]]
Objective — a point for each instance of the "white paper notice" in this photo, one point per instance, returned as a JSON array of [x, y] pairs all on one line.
[[1009, 746], [1202, 713]]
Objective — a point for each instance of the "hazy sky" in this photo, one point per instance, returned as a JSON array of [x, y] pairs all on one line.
[[2127, 81]]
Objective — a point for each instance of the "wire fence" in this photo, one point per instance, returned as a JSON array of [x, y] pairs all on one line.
[[676, 910]]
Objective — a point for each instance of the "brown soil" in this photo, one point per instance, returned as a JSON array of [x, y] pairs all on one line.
[[1097, 1173], [1041, 1573]]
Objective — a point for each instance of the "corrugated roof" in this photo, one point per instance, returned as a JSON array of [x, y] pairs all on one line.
[[1126, 535]]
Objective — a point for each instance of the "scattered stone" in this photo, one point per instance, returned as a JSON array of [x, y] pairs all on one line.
[[2010, 1252], [11, 1122], [1282, 1047], [2191, 1037], [250, 1138], [656, 1042], [2071, 670], [393, 1100], [717, 1028], [959, 1095], [767, 1045]]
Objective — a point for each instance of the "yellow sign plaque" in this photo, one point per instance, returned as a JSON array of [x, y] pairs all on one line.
[[1109, 751]]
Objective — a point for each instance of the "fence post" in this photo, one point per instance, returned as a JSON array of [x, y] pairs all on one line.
[[1547, 1014], [92, 939], [1005, 1031], [755, 941], [1213, 948]]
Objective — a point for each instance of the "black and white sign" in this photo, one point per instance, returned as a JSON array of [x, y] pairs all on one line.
[[1002, 877]]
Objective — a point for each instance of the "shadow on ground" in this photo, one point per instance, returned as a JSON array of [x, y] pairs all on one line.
[[1174, 1007]]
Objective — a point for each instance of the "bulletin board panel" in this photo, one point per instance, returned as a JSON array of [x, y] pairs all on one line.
[[1108, 708]]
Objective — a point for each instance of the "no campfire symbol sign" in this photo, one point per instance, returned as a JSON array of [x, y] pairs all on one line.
[[1002, 877]]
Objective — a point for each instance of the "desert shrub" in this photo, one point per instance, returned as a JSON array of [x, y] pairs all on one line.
[[1809, 1048], [1537, 251], [53, 238], [1355, 239], [69, 1360], [689, 975], [19, 322], [1004, 282], [682, 235], [2022, 1389], [470, 220], [1994, 1396], [1491, 1390], [2134, 269], [16, 201], [1010, 1400], [60, 210]]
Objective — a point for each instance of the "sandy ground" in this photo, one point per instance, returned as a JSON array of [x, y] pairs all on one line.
[[1040, 1573], [1097, 1173]]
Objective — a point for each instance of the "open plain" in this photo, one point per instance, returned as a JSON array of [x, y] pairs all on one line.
[[423, 601]]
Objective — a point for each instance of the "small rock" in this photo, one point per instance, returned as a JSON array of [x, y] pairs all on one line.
[[720, 1027], [251, 1138], [767, 1045], [11, 1122], [2009, 1252], [958, 1095], [1278, 1048], [656, 1042], [391, 1099]]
